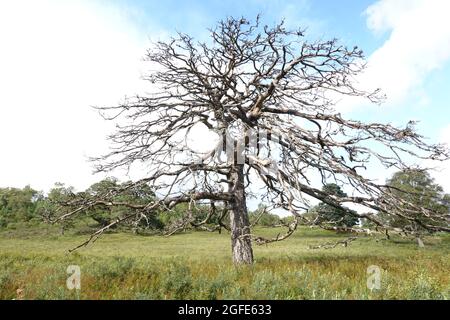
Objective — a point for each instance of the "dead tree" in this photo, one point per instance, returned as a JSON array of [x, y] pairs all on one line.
[[268, 95]]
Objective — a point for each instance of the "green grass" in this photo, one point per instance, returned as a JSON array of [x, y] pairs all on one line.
[[198, 266]]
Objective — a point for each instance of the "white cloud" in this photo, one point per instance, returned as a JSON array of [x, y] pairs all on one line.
[[57, 59], [442, 170], [418, 43]]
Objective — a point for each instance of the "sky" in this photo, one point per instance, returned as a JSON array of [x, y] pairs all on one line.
[[58, 58]]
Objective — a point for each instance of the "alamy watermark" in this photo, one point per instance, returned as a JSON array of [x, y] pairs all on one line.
[[250, 146], [73, 282], [374, 278]]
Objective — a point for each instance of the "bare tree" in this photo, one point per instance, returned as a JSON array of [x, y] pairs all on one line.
[[267, 94]]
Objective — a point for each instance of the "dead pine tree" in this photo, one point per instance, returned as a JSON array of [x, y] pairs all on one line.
[[268, 95]]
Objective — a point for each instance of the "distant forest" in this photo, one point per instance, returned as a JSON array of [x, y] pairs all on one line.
[[28, 207]]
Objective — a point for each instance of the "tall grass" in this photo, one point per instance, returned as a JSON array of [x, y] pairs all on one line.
[[197, 266]]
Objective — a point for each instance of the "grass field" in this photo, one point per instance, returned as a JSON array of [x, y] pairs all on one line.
[[198, 265]]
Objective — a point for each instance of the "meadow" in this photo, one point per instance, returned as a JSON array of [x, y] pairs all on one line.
[[197, 265]]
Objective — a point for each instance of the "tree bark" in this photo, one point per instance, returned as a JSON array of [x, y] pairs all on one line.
[[241, 244]]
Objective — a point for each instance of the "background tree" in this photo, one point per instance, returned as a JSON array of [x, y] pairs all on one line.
[[418, 187], [48, 206], [105, 214], [25, 206], [267, 94], [329, 215], [262, 217], [194, 216], [17, 205], [102, 214], [446, 202]]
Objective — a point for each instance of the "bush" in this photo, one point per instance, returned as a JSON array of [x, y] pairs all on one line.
[[178, 282]]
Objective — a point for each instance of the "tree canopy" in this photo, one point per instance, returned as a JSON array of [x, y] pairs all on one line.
[[329, 215], [419, 188]]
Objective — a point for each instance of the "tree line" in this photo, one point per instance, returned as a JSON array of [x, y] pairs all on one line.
[[414, 186], [29, 206], [32, 207]]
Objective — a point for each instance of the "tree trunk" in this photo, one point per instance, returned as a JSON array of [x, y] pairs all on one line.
[[241, 244]]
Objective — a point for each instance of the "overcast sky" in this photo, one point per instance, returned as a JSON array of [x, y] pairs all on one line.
[[58, 58]]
